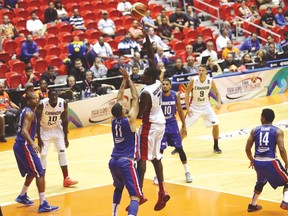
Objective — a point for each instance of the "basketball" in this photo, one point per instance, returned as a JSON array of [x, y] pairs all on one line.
[[138, 10]]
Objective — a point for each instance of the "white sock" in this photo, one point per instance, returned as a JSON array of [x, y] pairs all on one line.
[[285, 196], [41, 197], [115, 209], [186, 167], [254, 199], [24, 190]]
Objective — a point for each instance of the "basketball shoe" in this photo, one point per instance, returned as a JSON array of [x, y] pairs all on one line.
[[24, 200], [141, 201], [253, 208], [155, 181], [163, 197], [45, 207], [284, 205], [68, 182], [188, 177], [217, 150]]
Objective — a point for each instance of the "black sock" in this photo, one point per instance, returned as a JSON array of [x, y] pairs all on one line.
[[216, 144]]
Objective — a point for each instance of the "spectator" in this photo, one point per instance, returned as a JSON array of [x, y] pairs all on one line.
[[11, 4], [147, 21], [61, 12], [29, 77], [284, 43], [10, 109], [103, 49], [158, 20], [270, 39], [121, 63], [106, 26], [88, 85], [261, 58], [190, 65], [222, 39], [49, 76], [234, 22], [2, 128], [42, 92], [265, 4], [246, 59], [29, 49], [35, 26], [209, 52], [7, 29], [77, 70], [280, 18], [163, 72], [160, 57], [124, 7], [50, 14], [77, 21], [136, 32], [189, 52], [199, 46], [213, 67], [230, 64], [136, 61], [165, 30], [71, 83], [254, 12], [179, 20], [153, 37], [271, 54], [229, 48], [98, 68], [127, 46], [154, 47], [251, 44], [227, 26], [268, 19], [179, 68], [135, 76], [244, 11], [192, 16]]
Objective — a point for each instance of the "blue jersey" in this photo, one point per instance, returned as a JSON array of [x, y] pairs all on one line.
[[265, 141], [125, 142], [32, 130], [168, 105]]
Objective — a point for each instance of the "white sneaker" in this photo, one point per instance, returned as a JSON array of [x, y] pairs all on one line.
[[188, 177], [155, 181]]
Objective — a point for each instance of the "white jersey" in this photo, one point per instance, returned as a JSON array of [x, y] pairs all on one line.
[[155, 113], [201, 90], [51, 116]]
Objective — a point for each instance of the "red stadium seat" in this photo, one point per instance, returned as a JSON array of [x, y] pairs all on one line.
[[113, 12], [88, 14], [4, 56], [13, 80], [52, 29], [85, 5], [40, 65], [17, 67], [42, 52], [53, 50], [39, 40], [9, 46], [3, 70], [64, 27], [91, 24], [65, 37], [52, 39], [93, 34], [54, 60]]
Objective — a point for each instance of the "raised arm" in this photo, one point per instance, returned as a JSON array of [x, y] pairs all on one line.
[[187, 96]]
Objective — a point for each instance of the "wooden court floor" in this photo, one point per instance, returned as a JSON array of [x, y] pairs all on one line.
[[222, 184]]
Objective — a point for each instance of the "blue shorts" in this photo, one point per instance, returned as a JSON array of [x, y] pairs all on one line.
[[271, 171], [171, 136], [124, 173], [27, 160]]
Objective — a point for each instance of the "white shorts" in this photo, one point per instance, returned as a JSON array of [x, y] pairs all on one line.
[[49, 135], [150, 141], [208, 114]]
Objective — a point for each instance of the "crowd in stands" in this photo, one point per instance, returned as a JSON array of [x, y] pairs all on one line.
[[87, 40]]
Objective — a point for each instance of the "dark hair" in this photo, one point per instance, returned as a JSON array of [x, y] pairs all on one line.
[[152, 72], [50, 67], [29, 96], [51, 91], [117, 110], [268, 114], [28, 68], [203, 66], [167, 80]]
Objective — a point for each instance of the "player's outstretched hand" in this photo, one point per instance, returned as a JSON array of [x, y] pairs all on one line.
[[124, 73], [251, 165], [36, 148], [40, 143], [183, 132], [218, 106]]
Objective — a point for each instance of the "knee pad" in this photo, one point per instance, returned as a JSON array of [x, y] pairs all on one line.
[[43, 158], [259, 186], [62, 158]]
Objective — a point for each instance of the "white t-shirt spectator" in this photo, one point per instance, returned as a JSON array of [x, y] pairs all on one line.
[[34, 25], [106, 26], [104, 50], [123, 7]]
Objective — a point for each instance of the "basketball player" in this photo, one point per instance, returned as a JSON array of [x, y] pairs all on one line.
[[125, 152], [200, 106], [268, 168], [52, 125], [170, 105], [25, 151]]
